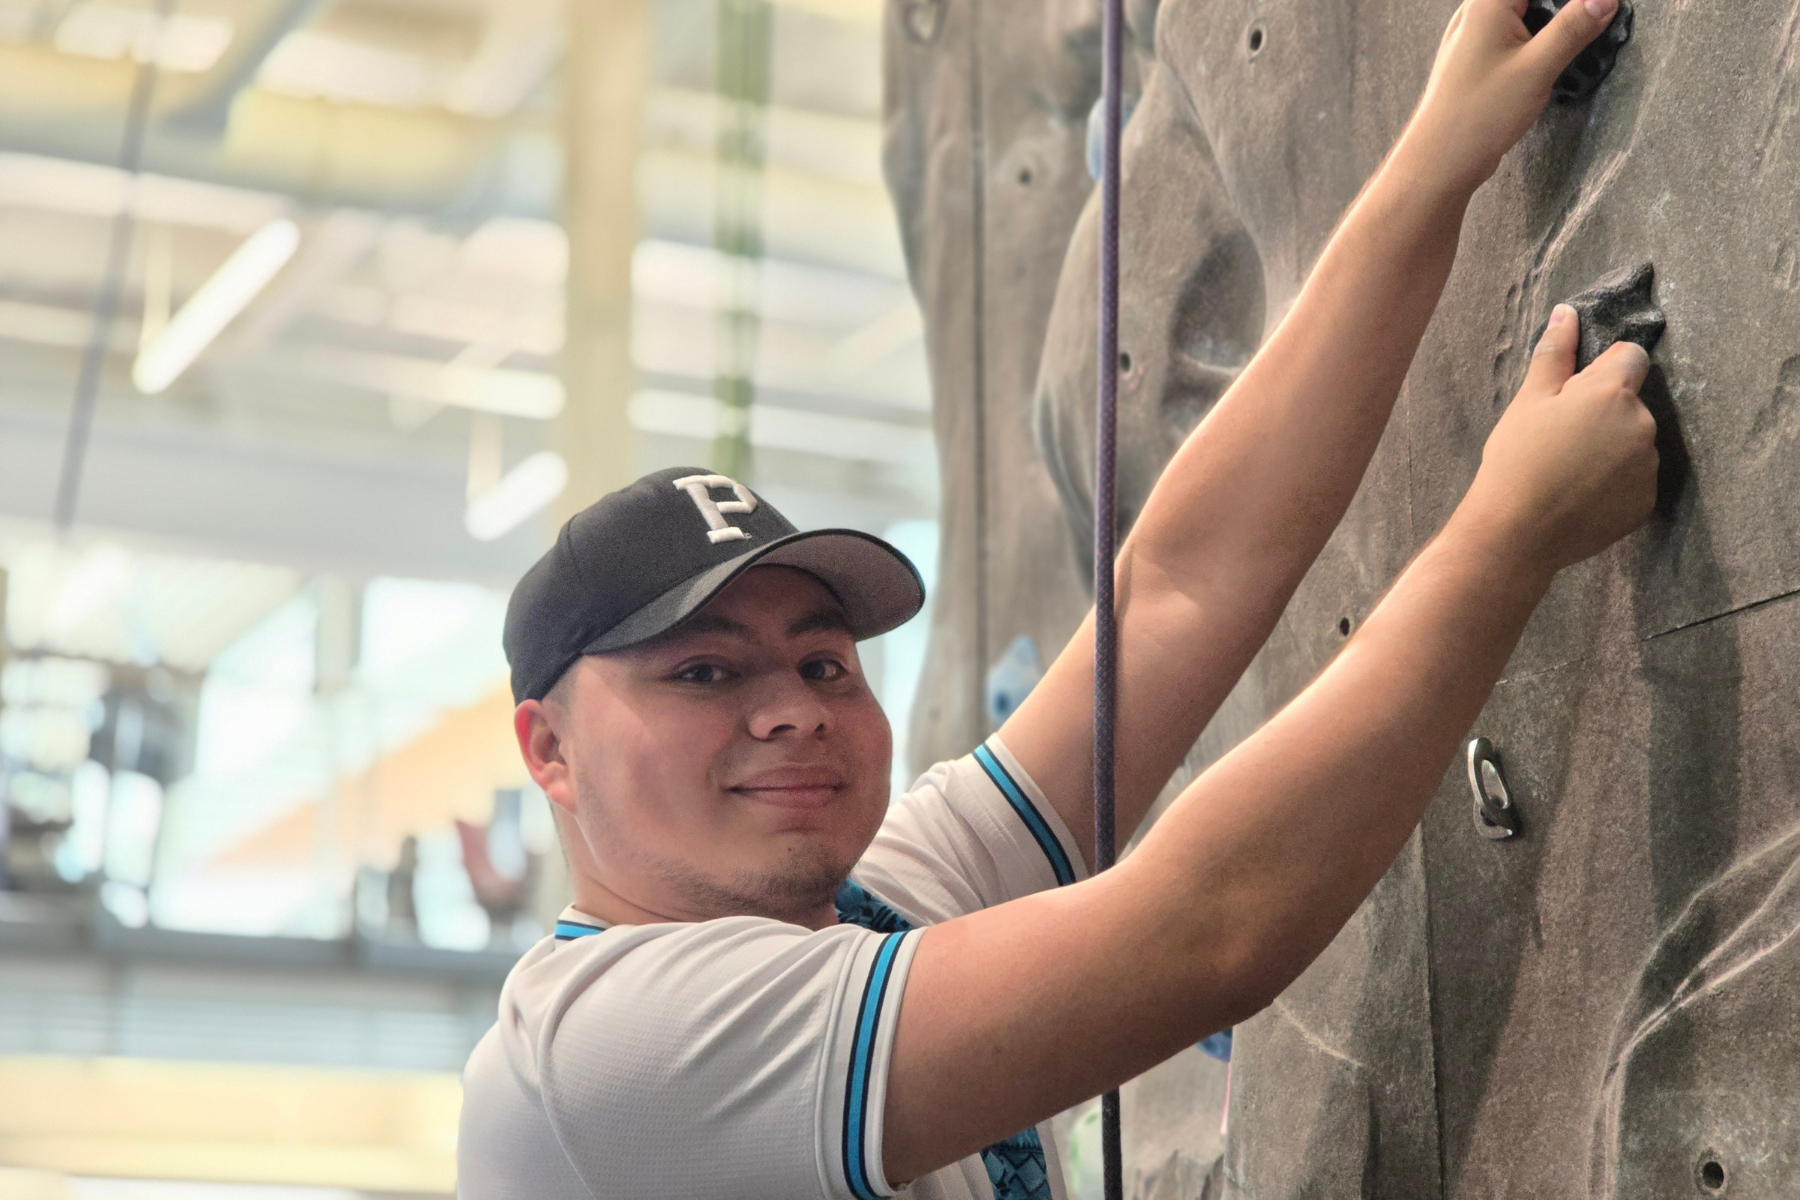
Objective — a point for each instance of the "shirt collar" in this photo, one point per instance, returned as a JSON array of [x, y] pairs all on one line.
[[855, 906], [573, 923]]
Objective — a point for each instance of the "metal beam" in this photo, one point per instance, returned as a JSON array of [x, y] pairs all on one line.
[[207, 114]]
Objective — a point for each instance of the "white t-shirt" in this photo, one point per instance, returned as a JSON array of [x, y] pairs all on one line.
[[746, 1058]]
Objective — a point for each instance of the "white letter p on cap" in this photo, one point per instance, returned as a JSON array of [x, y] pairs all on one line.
[[718, 529]]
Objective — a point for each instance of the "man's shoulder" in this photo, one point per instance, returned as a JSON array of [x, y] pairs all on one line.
[[634, 964], [972, 832]]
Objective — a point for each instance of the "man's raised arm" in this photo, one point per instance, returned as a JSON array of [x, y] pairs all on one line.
[[1013, 1013], [1248, 502]]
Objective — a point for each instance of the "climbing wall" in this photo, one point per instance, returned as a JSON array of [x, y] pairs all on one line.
[[1604, 1003], [986, 119]]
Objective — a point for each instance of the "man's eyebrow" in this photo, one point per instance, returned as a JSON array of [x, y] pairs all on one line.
[[706, 622], [830, 619]]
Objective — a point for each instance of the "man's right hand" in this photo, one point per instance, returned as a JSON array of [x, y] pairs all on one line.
[[1571, 466], [1491, 80], [1017, 1011]]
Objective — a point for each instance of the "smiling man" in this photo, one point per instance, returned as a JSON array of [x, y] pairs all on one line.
[[774, 984], [745, 763]]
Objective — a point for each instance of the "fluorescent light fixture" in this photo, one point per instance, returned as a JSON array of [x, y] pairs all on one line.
[[209, 310], [521, 492]]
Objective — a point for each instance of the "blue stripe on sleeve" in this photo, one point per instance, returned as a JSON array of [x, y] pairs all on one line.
[[862, 1054], [1028, 813]]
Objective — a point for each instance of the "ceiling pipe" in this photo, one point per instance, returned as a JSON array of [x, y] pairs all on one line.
[[207, 114], [449, 168]]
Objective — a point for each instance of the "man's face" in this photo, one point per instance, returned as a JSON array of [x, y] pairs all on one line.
[[738, 764]]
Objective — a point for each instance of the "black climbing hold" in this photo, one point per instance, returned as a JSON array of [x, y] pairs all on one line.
[[1593, 65], [1619, 308]]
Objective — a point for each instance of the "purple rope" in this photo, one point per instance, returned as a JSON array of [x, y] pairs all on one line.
[[1106, 412]]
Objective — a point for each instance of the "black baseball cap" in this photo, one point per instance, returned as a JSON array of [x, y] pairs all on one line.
[[639, 561]]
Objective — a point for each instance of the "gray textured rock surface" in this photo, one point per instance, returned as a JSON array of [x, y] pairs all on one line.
[[1172, 1119], [986, 118], [1195, 314], [1173, 1114], [1604, 1005]]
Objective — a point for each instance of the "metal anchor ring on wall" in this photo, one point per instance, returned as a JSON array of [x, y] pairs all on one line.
[[1495, 814]]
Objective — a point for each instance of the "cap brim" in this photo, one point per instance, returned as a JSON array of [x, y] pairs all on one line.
[[877, 585]]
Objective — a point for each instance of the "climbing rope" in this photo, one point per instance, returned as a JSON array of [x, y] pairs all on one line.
[[1106, 411]]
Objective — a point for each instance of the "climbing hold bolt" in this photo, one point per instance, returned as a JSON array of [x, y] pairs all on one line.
[[1495, 814]]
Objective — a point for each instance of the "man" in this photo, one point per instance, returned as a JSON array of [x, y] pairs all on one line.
[[772, 984]]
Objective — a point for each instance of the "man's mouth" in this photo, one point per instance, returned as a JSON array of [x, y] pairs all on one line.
[[792, 786]]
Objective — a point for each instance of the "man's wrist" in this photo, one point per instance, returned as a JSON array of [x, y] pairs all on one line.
[[1437, 177], [1504, 546]]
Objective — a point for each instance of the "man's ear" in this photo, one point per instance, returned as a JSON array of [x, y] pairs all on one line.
[[538, 728]]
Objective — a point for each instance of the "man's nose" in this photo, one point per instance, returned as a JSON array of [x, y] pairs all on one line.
[[787, 707]]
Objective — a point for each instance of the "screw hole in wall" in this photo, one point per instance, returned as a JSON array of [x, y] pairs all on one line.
[[1124, 363], [1344, 627], [1712, 1176], [1025, 176], [1257, 39]]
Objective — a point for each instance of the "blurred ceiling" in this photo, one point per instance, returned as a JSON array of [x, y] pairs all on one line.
[[415, 145]]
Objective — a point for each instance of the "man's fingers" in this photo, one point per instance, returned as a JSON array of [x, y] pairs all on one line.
[[1568, 34], [1625, 363], [1554, 360]]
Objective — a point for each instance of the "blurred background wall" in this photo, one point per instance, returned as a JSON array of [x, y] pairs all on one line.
[[316, 316]]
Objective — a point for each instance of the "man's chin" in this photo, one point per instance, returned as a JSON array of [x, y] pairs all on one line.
[[808, 876], [803, 879]]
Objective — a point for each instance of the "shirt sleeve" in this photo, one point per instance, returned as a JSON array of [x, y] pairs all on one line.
[[971, 834], [729, 1060]]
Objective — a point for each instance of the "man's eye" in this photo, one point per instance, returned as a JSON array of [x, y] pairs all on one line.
[[702, 673], [824, 670]]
